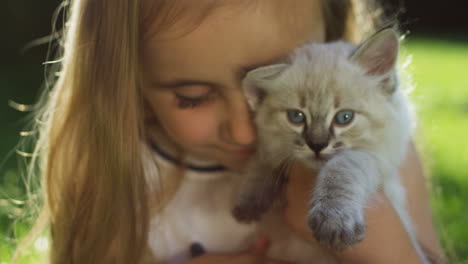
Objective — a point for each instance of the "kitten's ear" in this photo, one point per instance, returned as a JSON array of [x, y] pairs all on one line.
[[255, 83], [378, 54]]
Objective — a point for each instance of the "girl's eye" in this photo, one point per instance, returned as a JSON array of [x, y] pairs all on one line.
[[185, 102], [295, 116], [344, 117]]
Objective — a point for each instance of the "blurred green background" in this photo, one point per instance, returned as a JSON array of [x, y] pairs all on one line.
[[439, 68], [437, 47]]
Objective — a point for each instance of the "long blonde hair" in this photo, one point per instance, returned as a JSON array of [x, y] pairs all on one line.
[[91, 126]]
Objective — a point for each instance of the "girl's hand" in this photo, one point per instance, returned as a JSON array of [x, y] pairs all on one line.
[[385, 241], [255, 255]]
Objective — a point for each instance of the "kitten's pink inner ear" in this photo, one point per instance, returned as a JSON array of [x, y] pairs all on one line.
[[256, 82], [252, 94], [378, 55]]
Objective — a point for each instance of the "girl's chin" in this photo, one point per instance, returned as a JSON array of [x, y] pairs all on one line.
[[233, 160], [235, 167]]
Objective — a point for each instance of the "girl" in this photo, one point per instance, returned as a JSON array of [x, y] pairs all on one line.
[[146, 125]]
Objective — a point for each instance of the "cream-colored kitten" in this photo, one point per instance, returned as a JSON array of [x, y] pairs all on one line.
[[336, 108]]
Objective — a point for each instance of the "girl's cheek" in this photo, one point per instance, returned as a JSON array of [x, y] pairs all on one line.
[[188, 127], [192, 127]]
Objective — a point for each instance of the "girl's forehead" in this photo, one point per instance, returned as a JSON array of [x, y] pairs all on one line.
[[165, 19], [236, 34]]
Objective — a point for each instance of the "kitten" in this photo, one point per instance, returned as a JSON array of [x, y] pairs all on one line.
[[336, 108]]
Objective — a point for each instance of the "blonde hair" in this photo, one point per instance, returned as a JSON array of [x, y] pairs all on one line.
[[92, 122]]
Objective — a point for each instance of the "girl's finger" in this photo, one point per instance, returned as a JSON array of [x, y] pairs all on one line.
[[260, 247]]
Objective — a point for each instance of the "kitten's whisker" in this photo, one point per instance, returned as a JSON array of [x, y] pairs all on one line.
[[282, 172]]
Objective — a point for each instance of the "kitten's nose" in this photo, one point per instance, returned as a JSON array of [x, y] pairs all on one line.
[[317, 147]]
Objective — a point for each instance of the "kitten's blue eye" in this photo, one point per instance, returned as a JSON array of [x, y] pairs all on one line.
[[344, 117], [295, 116]]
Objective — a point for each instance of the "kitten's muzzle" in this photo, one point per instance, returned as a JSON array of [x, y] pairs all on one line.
[[317, 147], [317, 138]]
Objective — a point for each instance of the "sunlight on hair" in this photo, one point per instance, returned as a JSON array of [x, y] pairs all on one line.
[[24, 154], [20, 107], [27, 133], [17, 202], [52, 61], [41, 244]]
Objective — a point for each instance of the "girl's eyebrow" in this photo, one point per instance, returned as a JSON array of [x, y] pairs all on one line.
[[182, 82]]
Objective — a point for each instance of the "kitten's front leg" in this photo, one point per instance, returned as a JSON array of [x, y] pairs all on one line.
[[260, 187], [344, 185]]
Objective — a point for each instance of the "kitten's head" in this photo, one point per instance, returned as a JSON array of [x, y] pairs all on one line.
[[327, 98]]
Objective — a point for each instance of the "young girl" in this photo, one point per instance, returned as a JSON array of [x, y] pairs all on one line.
[[146, 126]]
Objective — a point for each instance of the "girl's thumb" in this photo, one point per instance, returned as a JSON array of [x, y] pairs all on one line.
[[261, 246]]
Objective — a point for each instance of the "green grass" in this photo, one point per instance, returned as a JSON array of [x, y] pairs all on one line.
[[440, 74]]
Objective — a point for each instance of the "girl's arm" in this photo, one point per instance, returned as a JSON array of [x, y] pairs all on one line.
[[386, 240]]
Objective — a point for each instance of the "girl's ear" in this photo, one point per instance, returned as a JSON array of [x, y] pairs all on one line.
[[378, 54], [256, 82]]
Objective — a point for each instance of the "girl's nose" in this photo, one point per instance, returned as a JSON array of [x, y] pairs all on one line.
[[242, 131], [240, 125]]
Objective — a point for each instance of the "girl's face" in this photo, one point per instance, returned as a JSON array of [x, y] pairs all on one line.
[[195, 75]]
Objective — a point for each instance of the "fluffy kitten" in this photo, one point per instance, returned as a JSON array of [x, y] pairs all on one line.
[[336, 108]]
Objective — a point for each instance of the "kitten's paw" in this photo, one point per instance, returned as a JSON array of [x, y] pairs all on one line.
[[251, 209], [336, 224]]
